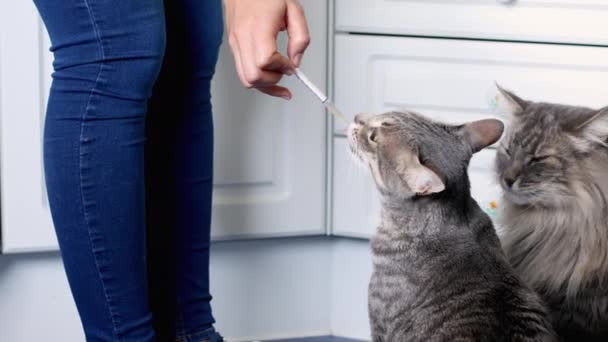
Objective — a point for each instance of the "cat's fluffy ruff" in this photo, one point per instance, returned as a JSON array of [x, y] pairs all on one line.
[[554, 215]]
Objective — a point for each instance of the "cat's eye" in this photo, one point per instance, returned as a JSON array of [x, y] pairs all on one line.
[[386, 124], [506, 151]]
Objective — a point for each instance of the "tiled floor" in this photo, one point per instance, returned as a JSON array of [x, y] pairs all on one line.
[[318, 339]]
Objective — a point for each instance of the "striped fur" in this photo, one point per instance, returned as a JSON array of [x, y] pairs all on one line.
[[439, 271], [554, 212]]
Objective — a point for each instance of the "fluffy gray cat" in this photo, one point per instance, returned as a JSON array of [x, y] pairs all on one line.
[[439, 271], [553, 168]]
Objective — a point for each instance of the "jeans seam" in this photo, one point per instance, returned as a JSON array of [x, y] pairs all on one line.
[[80, 164]]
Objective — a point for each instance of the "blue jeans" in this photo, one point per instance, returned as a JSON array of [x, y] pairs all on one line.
[[128, 151]]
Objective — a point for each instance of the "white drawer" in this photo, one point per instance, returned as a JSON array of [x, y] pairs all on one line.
[[356, 207], [452, 80], [563, 21]]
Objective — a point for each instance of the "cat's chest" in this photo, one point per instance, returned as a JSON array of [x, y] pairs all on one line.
[[387, 284], [405, 273], [390, 293], [393, 286], [398, 254]]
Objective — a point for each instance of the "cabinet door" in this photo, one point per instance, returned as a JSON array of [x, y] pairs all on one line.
[[563, 21], [269, 157], [24, 80], [452, 81], [270, 153]]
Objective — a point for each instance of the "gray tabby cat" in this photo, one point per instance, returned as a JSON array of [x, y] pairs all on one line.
[[553, 168], [439, 271]]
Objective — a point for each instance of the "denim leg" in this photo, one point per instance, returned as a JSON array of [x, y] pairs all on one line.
[[107, 55], [179, 170]]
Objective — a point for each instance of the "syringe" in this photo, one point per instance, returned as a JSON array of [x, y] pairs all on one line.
[[318, 93]]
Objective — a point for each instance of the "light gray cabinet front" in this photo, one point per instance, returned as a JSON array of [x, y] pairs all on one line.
[[452, 81], [560, 21], [270, 153]]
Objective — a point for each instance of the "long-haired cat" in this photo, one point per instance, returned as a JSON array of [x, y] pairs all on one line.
[[439, 271], [553, 168]]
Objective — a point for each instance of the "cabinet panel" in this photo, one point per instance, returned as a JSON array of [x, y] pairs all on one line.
[[563, 21], [269, 157], [26, 222], [270, 153], [451, 81]]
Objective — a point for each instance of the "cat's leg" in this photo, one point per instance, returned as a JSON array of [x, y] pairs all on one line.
[[377, 337], [378, 331]]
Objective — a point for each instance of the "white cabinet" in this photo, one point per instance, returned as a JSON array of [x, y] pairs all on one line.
[[563, 21], [270, 153], [452, 81], [26, 222]]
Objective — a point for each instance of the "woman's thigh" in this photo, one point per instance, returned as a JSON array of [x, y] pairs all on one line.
[[107, 56]]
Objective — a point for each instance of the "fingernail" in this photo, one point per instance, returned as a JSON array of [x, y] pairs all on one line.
[[297, 59], [286, 97], [288, 72]]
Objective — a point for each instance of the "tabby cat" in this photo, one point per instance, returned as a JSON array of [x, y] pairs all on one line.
[[439, 271], [553, 168]]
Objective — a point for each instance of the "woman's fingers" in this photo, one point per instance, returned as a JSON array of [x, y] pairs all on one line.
[[297, 31], [262, 65], [253, 27], [236, 54], [277, 91]]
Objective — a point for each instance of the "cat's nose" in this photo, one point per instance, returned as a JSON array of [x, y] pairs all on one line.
[[361, 117], [509, 180]]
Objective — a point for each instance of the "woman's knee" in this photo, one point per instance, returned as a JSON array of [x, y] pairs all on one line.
[[131, 67]]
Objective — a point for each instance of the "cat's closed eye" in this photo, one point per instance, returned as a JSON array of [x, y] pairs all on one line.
[[540, 158]]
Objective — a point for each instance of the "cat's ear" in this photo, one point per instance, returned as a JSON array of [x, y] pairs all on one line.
[[595, 129], [507, 103], [419, 178], [481, 134]]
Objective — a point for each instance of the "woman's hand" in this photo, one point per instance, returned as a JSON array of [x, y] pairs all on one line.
[[253, 26]]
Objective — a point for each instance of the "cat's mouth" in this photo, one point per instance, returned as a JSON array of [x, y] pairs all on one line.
[[515, 197], [362, 158], [526, 197], [353, 141]]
